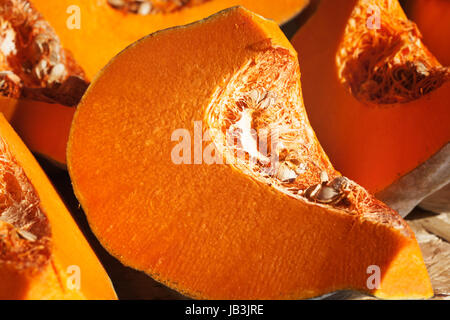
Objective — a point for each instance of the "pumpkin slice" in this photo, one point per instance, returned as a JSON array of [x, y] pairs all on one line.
[[108, 26], [164, 159], [433, 19], [39, 79], [377, 98], [43, 254]]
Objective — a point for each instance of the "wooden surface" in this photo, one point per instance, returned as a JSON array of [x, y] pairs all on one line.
[[432, 232]]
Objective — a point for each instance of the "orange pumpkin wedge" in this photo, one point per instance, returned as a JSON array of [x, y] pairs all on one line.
[[164, 159], [377, 99], [43, 254]]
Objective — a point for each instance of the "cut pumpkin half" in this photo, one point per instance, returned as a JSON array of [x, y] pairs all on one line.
[[377, 99], [43, 254], [193, 158]]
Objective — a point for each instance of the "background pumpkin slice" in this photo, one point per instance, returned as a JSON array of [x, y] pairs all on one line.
[[377, 98], [39, 79], [107, 27], [242, 229], [43, 254]]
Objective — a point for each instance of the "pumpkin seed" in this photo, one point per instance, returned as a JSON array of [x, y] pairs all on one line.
[[41, 43], [285, 174], [117, 3], [255, 96], [57, 73], [41, 69], [312, 191], [145, 8], [27, 235], [339, 183], [300, 168], [55, 52], [324, 177], [327, 195]]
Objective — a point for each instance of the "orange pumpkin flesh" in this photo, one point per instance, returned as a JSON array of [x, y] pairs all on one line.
[[384, 146], [44, 127], [236, 230], [40, 244], [433, 19]]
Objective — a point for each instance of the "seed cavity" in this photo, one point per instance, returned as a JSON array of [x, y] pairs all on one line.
[[34, 65], [270, 141], [388, 65], [25, 233]]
